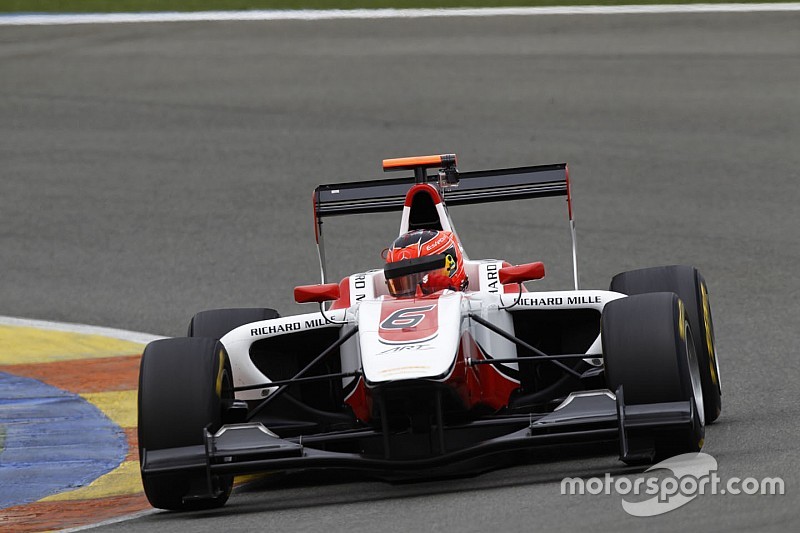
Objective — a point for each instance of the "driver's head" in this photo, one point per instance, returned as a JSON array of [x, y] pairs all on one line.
[[422, 243]]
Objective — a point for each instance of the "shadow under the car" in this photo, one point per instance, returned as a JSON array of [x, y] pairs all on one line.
[[319, 488]]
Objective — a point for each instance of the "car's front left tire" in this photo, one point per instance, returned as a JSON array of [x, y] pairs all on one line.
[[649, 353]]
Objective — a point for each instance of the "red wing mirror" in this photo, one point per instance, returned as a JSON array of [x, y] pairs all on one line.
[[521, 273], [316, 293]]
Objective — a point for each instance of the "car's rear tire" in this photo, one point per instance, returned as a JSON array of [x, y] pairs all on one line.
[[215, 323], [184, 385], [690, 286], [648, 351]]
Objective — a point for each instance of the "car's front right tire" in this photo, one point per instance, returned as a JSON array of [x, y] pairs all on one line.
[[184, 384], [690, 286]]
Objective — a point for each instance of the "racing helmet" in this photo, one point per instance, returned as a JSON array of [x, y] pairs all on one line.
[[422, 243]]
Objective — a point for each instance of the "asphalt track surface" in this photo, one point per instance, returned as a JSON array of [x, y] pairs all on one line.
[[153, 170]]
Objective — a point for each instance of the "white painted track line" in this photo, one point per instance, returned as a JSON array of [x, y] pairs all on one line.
[[121, 334], [32, 19]]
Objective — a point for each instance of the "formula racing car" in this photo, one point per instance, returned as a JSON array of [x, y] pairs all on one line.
[[434, 363]]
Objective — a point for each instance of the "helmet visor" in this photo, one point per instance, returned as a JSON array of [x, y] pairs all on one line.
[[429, 282], [405, 285], [403, 277]]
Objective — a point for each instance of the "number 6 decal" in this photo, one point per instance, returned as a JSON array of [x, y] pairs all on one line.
[[406, 318]]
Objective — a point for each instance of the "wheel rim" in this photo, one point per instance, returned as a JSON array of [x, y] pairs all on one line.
[[694, 375]]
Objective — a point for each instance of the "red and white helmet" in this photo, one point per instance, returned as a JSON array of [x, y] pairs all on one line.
[[422, 243]]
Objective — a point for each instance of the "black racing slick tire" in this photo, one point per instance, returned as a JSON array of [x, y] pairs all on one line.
[[690, 286], [648, 351], [215, 323], [184, 384]]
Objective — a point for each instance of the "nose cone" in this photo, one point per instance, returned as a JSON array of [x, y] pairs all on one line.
[[413, 338]]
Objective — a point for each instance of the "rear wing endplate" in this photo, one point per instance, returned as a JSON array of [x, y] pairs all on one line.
[[483, 186]]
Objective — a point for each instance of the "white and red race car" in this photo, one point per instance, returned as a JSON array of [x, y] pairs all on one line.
[[428, 384]]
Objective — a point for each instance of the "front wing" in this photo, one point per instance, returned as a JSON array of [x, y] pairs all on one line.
[[594, 416]]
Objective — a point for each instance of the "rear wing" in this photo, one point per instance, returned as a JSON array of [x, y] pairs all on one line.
[[455, 188], [481, 186]]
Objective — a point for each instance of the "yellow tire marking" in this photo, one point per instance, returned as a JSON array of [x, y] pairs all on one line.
[[218, 386], [709, 343]]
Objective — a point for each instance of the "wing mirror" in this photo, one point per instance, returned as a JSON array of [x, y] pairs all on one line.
[[521, 273], [320, 293]]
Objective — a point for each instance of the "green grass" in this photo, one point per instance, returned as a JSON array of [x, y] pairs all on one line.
[[96, 6]]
